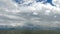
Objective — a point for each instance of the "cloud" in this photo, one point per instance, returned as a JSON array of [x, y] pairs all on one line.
[[30, 11], [57, 3]]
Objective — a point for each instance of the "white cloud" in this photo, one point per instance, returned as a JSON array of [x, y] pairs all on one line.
[[37, 13], [57, 3]]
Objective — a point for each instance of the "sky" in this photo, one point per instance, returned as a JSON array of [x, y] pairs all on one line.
[[44, 13]]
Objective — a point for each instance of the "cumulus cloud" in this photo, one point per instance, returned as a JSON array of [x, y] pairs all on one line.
[[15, 14]]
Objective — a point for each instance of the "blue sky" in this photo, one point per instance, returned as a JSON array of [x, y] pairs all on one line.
[[19, 1], [48, 1]]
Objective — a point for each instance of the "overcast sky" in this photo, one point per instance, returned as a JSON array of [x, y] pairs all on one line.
[[37, 12]]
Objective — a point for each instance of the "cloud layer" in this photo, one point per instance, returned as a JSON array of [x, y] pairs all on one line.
[[15, 14]]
